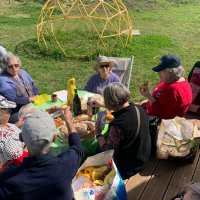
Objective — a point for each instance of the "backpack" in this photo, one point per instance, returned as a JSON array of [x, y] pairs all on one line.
[[194, 80]]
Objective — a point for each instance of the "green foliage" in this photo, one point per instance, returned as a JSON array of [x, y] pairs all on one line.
[[166, 26]]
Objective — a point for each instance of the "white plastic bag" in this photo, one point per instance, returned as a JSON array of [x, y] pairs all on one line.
[[115, 191], [175, 138]]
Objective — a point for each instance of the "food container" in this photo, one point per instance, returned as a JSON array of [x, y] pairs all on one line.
[[41, 99]]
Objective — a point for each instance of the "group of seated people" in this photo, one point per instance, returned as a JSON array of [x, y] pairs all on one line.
[[31, 172]]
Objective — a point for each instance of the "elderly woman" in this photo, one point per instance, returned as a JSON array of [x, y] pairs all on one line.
[[11, 148], [103, 76], [190, 192], [173, 95], [128, 132], [16, 84]]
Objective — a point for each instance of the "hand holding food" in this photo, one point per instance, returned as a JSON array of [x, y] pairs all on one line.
[[144, 86]]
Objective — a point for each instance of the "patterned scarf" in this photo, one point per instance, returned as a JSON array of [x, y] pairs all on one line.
[[24, 90]]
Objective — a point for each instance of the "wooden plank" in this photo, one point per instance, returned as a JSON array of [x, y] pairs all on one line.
[[196, 177], [183, 175], [159, 181], [136, 184]]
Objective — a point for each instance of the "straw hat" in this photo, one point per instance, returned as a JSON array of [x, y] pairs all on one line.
[[103, 60]]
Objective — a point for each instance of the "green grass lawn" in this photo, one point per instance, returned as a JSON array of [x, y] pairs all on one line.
[[166, 26]]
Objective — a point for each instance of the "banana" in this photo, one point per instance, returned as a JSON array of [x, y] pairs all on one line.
[[109, 177], [99, 173], [98, 182], [89, 170], [84, 175], [86, 172]]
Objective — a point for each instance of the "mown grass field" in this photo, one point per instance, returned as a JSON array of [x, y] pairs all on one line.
[[166, 26]]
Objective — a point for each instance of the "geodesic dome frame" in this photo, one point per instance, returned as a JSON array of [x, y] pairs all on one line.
[[105, 18]]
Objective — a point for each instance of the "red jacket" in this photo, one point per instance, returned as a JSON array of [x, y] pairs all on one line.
[[172, 99]]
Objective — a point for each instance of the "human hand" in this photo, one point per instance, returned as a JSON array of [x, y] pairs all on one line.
[[96, 102], [67, 116], [31, 99], [64, 131], [145, 92], [20, 122]]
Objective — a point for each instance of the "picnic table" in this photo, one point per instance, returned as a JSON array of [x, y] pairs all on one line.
[[89, 144], [163, 179]]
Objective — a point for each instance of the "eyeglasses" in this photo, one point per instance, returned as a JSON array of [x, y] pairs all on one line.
[[102, 66], [13, 65]]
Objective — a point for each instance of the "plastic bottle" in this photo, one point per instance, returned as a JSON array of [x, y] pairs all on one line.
[[76, 104], [71, 85]]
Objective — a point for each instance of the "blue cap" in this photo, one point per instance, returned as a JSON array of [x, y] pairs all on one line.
[[167, 61]]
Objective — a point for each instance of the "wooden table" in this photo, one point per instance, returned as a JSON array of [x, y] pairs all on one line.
[[163, 179]]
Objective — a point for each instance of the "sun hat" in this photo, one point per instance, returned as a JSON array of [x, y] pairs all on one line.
[[38, 125], [2, 51], [103, 60], [11, 147], [167, 61], [4, 103]]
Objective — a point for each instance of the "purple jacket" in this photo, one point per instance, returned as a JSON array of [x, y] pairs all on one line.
[[8, 88], [96, 84]]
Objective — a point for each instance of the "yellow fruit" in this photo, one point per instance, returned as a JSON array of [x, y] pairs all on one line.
[[109, 176], [109, 116], [99, 173], [89, 170], [84, 175], [98, 182]]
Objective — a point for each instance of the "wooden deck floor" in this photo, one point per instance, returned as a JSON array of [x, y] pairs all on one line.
[[163, 179]]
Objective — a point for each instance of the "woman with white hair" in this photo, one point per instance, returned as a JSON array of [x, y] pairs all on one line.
[[128, 132], [16, 84], [103, 76], [173, 95]]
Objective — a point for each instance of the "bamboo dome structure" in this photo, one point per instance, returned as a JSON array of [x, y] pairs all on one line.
[[105, 19]]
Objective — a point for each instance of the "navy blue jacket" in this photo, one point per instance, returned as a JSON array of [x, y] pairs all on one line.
[[44, 177]]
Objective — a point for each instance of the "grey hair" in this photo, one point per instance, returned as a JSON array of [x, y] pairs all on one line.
[[38, 147], [175, 73], [195, 187], [4, 61], [115, 94]]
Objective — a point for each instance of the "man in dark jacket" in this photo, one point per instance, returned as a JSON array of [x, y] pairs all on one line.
[[42, 175]]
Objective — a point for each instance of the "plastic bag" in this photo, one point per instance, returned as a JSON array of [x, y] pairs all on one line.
[[116, 190], [175, 138]]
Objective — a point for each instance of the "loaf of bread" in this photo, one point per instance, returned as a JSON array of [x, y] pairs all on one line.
[[81, 128], [83, 118]]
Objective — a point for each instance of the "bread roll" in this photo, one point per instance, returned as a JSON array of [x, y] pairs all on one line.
[[81, 128]]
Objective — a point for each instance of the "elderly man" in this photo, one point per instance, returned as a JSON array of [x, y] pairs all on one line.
[[42, 175]]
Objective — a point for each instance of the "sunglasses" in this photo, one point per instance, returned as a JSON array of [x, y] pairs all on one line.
[[102, 66], [13, 65]]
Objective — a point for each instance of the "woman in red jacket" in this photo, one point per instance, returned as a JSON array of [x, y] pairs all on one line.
[[173, 95]]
